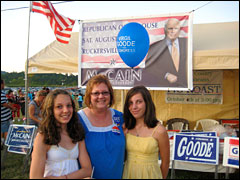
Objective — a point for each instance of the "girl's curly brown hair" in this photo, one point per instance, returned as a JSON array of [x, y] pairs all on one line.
[[50, 129]]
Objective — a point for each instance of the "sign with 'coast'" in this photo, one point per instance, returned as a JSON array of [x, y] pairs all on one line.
[[197, 149], [207, 89]]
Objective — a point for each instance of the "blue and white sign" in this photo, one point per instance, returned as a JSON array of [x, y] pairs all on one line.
[[231, 152], [19, 150], [196, 149], [132, 43], [20, 136], [200, 133]]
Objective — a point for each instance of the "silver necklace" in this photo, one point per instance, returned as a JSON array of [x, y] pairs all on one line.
[[137, 133]]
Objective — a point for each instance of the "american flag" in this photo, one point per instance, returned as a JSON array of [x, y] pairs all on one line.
[[62, 26]]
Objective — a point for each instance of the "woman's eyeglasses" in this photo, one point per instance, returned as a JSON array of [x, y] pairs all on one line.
[[104, 93]]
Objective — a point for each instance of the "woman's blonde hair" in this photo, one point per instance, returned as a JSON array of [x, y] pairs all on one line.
[[41, 93]]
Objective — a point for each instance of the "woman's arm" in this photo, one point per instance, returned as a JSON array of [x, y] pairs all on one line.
[[164, 148], [125, 130], [9, 105], [86, 167], [39, 156]]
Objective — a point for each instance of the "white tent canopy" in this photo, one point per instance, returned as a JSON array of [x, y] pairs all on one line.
[[215, 46]]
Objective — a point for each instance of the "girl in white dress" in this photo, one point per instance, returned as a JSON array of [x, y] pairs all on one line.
[[59, 150]]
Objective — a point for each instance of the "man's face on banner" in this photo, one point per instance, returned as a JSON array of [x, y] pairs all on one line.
[[173, 29]]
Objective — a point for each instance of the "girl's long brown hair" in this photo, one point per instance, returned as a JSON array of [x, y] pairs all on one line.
[[150, 114], [48, 126]]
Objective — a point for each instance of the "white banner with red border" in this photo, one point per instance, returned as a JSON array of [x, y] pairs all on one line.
[[231, 152]]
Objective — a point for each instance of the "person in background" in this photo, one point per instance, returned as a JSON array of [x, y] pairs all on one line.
[[22, 103], [17, 106], [10, 100], [59, 146], [30, 96], [47, 90], [9, 94], [146, 138], [35, 108], [80, 100], [72, 95], [6, 114], [105, 139], [13, 99]]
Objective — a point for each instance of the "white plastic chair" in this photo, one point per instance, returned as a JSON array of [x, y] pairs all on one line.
[[206, 124], [177, 124], [161, 122]]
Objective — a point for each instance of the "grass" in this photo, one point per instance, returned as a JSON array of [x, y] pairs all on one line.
[[13, 166]]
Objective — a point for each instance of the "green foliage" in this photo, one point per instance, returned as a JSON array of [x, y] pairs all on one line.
[[15, 79]]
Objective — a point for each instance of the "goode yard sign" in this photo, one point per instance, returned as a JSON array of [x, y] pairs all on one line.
[[196, 149], [231, 152]]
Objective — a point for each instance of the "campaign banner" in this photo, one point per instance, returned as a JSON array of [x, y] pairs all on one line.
[[231, 152], [138, 51], [196, 149], [207, 89], [20, 136]]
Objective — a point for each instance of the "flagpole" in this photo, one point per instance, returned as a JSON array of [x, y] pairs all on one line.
[[26, 69], [80, 54]]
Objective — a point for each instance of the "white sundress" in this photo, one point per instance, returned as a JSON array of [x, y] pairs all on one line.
[[61, 161]]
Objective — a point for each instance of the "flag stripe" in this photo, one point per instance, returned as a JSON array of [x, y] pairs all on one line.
[[40, 7], [61, 25]]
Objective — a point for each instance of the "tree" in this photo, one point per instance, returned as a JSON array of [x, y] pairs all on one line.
[[15, 79]]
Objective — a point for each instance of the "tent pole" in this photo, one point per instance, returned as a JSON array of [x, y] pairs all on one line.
[[80, 54], [26, 69]]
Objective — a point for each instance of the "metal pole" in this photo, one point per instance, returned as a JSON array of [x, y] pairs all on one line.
[[227, 173], [80, 54], [216, 172], [26, 69], [173, 170]]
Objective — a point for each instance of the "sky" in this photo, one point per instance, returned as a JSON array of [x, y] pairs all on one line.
[[15, 23]]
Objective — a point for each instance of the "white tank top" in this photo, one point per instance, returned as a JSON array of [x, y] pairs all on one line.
[[61, 161]]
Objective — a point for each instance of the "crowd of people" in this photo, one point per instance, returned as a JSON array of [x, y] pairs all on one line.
[[96, 141]]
